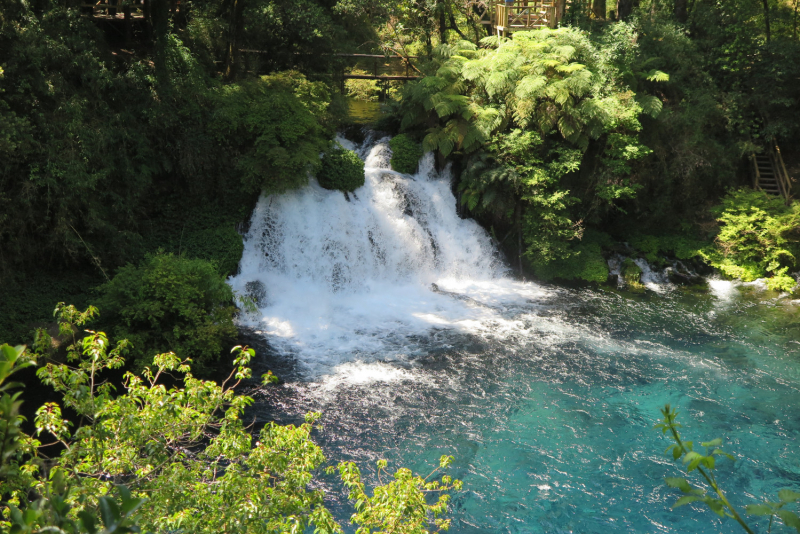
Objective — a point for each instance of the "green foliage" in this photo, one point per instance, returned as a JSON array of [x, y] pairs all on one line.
[[366, 90], [679, 246], [170, 304], [272, 128], [585, 262], [341, 169], [187, 459], [406, 153], [758, 235], [221, 245], [528, 113], [401, 505], [712, 495], [632, 274]]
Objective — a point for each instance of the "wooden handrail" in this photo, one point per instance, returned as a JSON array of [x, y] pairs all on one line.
[[524, 15], [780, 167], [757, 175]]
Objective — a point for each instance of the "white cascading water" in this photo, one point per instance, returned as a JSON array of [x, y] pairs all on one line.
[[370, 279]]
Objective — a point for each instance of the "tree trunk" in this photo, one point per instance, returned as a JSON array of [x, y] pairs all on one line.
[[234, 39], [599, 9], [681, 10], [561, 10], [624, 9], [159, 11], [442, 26], [766, 18]]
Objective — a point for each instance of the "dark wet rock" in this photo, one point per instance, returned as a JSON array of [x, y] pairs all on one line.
[[257, 291]]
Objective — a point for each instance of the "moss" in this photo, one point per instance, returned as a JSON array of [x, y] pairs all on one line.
[[632, 275], [341, 169], [406, 153], [585, 263]]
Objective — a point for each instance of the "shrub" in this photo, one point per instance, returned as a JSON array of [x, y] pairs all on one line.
[[405, 153], [170, 304], [341, 169], [221, 245], [586, 261], [759, 235]]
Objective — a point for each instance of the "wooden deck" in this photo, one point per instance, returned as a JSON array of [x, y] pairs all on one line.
[[525, 15]]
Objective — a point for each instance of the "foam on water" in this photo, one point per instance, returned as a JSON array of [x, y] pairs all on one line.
[[366, 278]]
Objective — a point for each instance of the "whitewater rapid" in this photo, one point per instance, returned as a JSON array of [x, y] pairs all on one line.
[[374, 276]]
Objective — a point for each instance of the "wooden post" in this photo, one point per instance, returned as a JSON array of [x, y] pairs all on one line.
[[126, 10]]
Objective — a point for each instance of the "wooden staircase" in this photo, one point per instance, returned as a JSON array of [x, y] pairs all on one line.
[[769, 172]]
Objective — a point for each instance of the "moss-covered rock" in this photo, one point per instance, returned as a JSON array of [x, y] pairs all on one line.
[[632, 274], [341, 169], [405, 153]]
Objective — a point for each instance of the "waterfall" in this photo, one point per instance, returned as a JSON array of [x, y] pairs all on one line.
[[371, 277]]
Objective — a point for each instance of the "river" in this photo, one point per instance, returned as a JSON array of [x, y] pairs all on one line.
[[405, 329]]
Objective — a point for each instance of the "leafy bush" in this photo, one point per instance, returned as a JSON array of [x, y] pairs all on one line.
[[759, 235], [221, 245], [273, 127], [188, 459], [405, 153], [341, 169], [585, 263], [676, 245], [170, 304]]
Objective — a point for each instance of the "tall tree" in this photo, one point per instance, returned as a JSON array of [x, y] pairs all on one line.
[[681, 10], [624, 9], [599, 9]]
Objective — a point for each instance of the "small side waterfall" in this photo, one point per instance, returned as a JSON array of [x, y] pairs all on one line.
[[369, 277]]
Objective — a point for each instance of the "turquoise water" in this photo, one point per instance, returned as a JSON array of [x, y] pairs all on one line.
[[550, 422]]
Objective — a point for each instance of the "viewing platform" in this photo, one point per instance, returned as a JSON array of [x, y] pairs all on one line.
[[522, 15]]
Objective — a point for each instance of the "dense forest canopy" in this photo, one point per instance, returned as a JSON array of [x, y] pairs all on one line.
[[133, 152]]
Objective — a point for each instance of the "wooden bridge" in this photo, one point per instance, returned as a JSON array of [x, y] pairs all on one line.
[[380, 67], [769, 172]]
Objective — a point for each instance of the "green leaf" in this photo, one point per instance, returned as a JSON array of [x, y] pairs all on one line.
[[713, 443], [716, 506], [787, 495], [758, 509], [790, 519], [680, 483], [686, 499]]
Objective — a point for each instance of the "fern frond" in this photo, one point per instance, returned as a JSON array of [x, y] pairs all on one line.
[[657, 76]]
